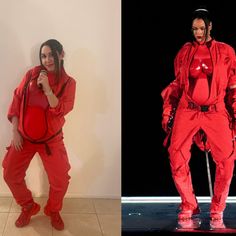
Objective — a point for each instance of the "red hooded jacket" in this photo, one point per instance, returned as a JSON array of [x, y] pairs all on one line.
[[29, 101]]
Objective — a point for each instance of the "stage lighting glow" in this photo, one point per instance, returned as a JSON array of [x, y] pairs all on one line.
[[168, 199]]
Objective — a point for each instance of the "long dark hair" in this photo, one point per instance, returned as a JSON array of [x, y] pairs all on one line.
[[56, 48], [202, 13]]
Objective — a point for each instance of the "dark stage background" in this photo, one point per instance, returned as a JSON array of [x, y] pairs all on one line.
[[151, 37]]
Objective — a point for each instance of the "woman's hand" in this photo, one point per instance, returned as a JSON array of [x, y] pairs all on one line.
[[42, 81], [17, 140], [165, 123]]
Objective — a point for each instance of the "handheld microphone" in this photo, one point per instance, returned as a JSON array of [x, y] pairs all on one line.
[[40, 86]]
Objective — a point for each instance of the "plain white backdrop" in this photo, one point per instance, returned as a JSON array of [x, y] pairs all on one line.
[[90, 31]]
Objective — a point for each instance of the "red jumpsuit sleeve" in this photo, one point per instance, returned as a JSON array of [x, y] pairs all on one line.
[[231, 98], [15, 106], [66, 101], [172, 93], [232, 68]]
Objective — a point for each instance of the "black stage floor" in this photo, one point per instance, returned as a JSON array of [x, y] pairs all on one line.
[[161, 218]]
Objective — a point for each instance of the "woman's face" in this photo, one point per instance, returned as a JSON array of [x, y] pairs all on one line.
[[48, 59], [199, 31]]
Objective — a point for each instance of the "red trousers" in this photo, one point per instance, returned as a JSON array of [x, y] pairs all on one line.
[[215, 124], [56, 165]]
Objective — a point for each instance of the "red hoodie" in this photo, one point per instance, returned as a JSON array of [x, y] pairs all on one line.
[[37, 120]]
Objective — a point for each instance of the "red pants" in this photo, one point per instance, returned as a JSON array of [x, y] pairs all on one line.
[[56, 165], [216, 126]]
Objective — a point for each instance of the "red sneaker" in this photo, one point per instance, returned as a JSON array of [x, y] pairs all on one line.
[[56, 220], [26, 213]]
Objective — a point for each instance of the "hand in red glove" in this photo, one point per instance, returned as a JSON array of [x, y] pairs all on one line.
[[166, 123]]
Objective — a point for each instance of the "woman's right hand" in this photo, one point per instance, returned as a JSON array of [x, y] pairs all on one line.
[[17, 140], [165, 120]]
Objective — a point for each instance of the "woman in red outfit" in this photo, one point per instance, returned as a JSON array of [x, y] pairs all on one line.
[[205, 72], [45, 95]]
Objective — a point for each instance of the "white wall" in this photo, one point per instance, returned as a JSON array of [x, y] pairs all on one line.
[[90, 31]]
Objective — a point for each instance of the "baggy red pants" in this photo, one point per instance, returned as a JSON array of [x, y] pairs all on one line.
[[215, 124], [56, 165]]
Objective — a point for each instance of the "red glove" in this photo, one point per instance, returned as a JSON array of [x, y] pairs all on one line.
[[166, 123]]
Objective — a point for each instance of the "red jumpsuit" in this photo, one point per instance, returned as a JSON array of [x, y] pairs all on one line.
[[198, 94], [39, 122]]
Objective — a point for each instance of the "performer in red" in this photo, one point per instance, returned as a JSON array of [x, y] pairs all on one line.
[[45, 95], [205, 72]]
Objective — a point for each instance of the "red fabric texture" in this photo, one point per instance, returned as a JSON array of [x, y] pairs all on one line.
[[200, 75], [35, 115]]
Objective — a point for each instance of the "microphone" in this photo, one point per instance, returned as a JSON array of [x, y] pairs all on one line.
[[40, 86]]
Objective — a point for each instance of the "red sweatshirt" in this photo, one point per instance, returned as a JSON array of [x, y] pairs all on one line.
[[31, 106]]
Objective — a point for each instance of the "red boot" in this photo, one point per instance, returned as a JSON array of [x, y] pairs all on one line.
[[26, 213], [187, 214], [56, 220], [187, 219], [216, 220]]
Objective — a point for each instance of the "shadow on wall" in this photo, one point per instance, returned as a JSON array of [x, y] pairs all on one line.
[[9, 74], [11, 48], [85, 149], [13, 68]]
